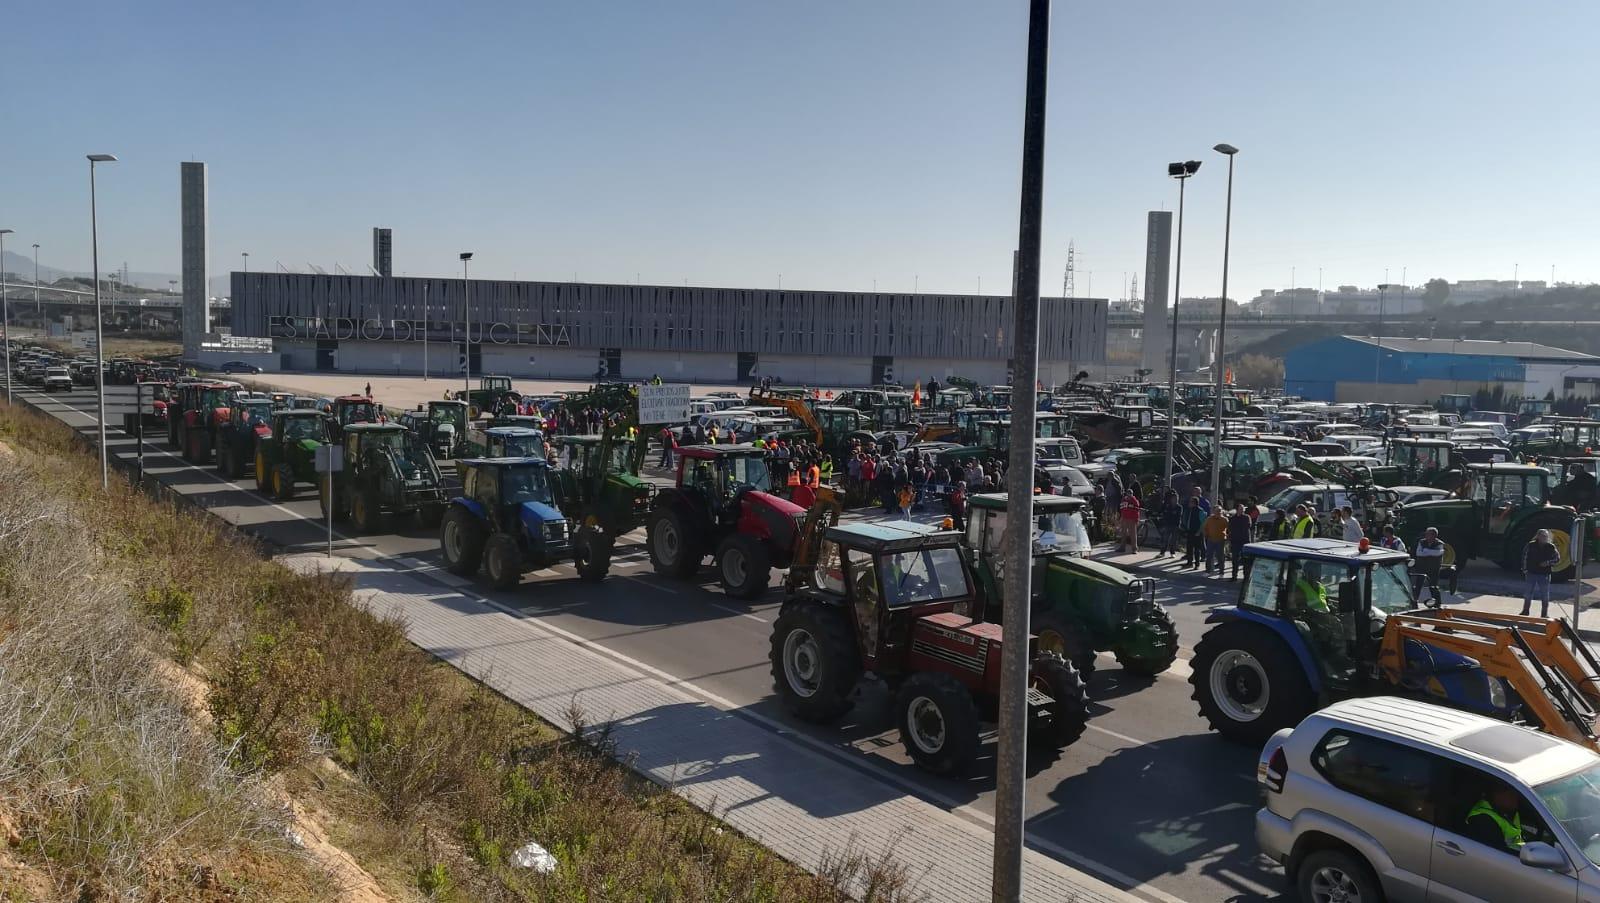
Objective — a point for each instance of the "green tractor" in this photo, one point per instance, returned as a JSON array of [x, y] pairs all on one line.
[[1080, 606], [443, 425], [493, 395], [1418, 462], [1498, 512], [597, 484], [287, 455], [388, 471]]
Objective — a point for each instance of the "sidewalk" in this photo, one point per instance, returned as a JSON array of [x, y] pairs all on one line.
[[801, 797], [1561, 594]]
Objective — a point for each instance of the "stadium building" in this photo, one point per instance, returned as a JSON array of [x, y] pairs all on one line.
[[569, 330], [1406, 370]]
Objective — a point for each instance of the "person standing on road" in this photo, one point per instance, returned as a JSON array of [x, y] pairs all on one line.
[[369, 390], [1390, 541], [1193, 519], [1239, 530], [1539, 557], [1305, 526], [1426, 559], [957, 501], [1169, 518], [1352, 527], [1215, 529], [1128, 523]]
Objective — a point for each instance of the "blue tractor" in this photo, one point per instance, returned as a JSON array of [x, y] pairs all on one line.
[[506, 522], [1319, 620]]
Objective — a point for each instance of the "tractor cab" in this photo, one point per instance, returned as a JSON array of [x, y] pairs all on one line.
[[348, 409], [299, 425], [505, 442], [1421, 462], [968, 420], [388, 470], [1577, 437], [505, 521], [898, 599], [1080, 606], [605, 490], [720, 473], [1495, 513], [444, 428], [281, 400], [253, 413]]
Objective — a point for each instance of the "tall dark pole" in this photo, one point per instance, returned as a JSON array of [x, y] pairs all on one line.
[[1222, 335], [5, 307], [1011, 771], [99, 324], [466, 314], [1181, 172]]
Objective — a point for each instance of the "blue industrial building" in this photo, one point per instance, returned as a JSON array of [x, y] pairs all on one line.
[[1365, 368]]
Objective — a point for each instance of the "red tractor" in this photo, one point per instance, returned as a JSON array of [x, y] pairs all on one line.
[[201, 408], [722, 505], [898, 599]]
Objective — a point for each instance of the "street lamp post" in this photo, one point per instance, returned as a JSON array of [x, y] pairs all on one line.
[[36, 305], [1181, 172], [1377, 358], [5, 308], [466, 316], [99, 331], [1222, 333]]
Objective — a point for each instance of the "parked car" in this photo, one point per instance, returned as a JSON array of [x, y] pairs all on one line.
[[1383, 798], [57, 378], [240, 367]]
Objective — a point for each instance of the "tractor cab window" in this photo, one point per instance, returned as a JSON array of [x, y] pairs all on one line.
[[524, 484], [744, 473], [297, 428], [359, 413], [839, 422], [1503, 494], [260, 411], [1059, 532], [1050, 427], [1324, 602], [892, 416], [1263, 587], [1391, 589], [701, 476], [485, 486], [621, 455], [828, 573], [1254, 461], [864, 594], [522, 447], [929, 575]]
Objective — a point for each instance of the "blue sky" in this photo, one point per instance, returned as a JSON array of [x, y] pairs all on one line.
[[836, 143]]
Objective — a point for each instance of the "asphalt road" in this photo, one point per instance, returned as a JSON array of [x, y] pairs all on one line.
[[1147, 799]]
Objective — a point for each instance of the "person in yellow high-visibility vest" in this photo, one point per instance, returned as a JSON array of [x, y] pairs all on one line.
[[1496, 820]]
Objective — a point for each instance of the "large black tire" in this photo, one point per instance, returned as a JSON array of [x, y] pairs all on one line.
[[502, 561], [672, 550], [461, 539], [1338, 875], [1149, 666], [283, 484], [743, 566], [815, 663], [591, 554], [1060, 633], [938, 722], [1063, 683], [365, 514], [1263, 685]]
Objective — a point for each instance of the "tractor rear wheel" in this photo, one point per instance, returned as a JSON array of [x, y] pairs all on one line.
[[1248, 682], [815, 665], [365, 512], [1055, 677], [283, 484], [743, 566], [1060, 634], [461, 539], [1156, 653], [591, 554], [502, 561], [938, 722], [261, 473], [671, 548]]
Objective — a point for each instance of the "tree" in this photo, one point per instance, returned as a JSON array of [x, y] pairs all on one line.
[[1257, 371], [1434, 292]]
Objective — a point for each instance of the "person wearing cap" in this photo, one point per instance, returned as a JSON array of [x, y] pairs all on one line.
[[1426, 559]]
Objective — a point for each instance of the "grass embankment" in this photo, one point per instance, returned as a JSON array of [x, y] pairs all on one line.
[[118, 614]]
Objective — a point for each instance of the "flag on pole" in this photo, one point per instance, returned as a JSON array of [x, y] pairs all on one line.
[[916, 394], [1227, 376]]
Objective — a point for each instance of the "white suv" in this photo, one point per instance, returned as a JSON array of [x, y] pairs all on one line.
[[57, 378], [1393, 799]]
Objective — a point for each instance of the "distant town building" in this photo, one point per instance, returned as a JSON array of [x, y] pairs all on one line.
[[1350, 300]]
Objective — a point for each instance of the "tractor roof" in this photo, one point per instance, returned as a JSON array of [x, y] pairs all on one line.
[[736, 450], [374, 428], [834, 408], [1419, 440], [589, 439], [1333, 550], [514, 432], [307, 413], [1042, 504], [348, 399], [1248, 443], [1098, 570], [1506, 468], [507, 462], [892, 536]]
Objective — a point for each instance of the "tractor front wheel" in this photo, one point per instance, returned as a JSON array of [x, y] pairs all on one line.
[[1248, 682], [1065, 637], [815, 665], [365, 512], [1155, 648], [1055, 677], [502, 561], [261, 473], [461, 541], [591, 554], [743, 566], [938, 722], [671, 548], [283, 484]]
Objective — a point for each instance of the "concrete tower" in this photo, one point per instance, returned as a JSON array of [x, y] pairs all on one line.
[[1157, 255], [196, 245]]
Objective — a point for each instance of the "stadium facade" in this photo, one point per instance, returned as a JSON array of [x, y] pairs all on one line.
[[571, 330]]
